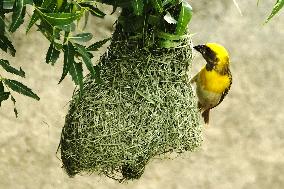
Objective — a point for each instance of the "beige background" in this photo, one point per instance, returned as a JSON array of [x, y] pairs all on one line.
[[243, 148]]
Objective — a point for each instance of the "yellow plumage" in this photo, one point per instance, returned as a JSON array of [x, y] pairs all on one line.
[[213, 81]]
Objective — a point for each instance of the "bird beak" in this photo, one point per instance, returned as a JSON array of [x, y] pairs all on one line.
[[200, 48]]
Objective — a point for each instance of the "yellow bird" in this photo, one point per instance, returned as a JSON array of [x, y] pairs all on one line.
[[214, 80]]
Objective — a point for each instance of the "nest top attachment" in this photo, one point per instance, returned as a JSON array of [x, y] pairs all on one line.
[[144, 107]]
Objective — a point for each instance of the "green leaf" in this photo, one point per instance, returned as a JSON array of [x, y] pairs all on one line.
[[6, 45], [4, 96], [13, 100], [60, 19], [82, 37], [6, 66], [86, 19], [15, 109], [165, 2], [168, 36], [59, 4], [33, 20], [46, 3], [69, 54], [118, 3], [132, 23], [277, 7], [138, 6], [30, 2], [97, 45], [76, 72], [184, 18], [154, 19], [93, 10], [86, 58], [97, 12], [20, 88], [49, 5], [16, 112], [45, 30], [97, 77], [157, 5], [68, 28], [52, 54], [56, 34], [18, 15]]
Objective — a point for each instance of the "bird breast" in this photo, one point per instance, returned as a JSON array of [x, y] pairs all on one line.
[[207, 99], [213, 81]]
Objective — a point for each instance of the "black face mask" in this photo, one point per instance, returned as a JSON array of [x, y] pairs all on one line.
[[209, 66]]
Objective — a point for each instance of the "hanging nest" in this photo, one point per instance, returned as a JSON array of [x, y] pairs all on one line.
[[143, 107]]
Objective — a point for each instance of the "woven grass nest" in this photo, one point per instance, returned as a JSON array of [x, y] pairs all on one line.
[[143, 108]]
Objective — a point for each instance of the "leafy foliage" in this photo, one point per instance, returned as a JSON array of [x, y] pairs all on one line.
[[18, 15], [13, 85], [20, 88], [69, 54], [138, 7], [82, 37], [59, 19], [56, 20], [277, 7], [6, 66], [93, 10], [3, 95], [6, 45], [97, 45], [81, 50], [157, 5], [184, 17], [52, 54]]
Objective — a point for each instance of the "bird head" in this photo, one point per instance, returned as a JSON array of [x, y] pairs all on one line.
[[216, 56]]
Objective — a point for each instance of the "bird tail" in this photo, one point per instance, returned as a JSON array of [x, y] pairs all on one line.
[[205, 116]]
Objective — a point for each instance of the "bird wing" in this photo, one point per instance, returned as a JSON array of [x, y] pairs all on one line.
[[225, 92]]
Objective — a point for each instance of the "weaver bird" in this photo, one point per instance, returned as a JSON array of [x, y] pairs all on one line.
[[214, 80]]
